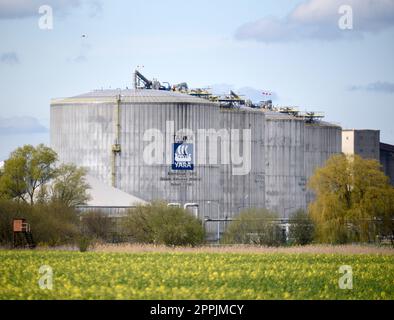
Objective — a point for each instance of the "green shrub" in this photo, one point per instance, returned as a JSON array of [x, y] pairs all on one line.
[[255, 226], [84, 243], [51, 224], [301, 231], [54, 224], [97, 225], [159, 224]]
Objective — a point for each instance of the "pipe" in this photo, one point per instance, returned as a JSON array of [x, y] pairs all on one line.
[[116, 148], [135, 79], [118, 101]]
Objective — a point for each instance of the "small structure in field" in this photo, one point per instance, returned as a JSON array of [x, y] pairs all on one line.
[[22, 235]]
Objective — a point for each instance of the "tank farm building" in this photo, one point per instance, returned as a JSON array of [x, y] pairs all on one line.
[[217, 155]]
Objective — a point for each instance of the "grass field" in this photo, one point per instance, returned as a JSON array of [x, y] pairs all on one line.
[[198, 275]]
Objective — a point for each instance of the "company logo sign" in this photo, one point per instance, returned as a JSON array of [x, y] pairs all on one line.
[[183, 156]]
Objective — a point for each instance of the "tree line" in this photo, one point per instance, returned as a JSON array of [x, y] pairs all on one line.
[[354, 202]]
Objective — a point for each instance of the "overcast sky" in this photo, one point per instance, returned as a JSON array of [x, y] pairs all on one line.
[[294, 49]]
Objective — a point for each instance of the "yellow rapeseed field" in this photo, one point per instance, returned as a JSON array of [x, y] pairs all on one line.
[[182, 275]]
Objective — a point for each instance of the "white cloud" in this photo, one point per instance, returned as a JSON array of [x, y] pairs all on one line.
[[20, 125], [96, 8], [378, 86], [318, 19], [256, 95], [84, 49], [10, 58], [79, 59], [17, 9]]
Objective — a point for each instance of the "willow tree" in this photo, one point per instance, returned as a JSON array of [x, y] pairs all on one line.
[[354, 200]]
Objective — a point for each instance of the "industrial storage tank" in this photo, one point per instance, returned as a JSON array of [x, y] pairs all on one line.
[[127, 138], [130, 139]]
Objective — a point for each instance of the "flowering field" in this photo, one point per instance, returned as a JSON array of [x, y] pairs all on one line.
[[96, 275]]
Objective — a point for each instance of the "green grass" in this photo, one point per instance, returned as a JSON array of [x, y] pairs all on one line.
[[194, 276]]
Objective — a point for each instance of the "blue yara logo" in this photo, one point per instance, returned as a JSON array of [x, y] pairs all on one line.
[[183, 156]]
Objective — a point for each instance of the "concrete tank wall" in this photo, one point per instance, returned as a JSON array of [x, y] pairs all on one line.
[[294, 148], [322, 140], [240, 192], [83, 134], [284, 164]]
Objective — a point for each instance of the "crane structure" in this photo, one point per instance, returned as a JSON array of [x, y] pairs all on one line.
[[141, 82]]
